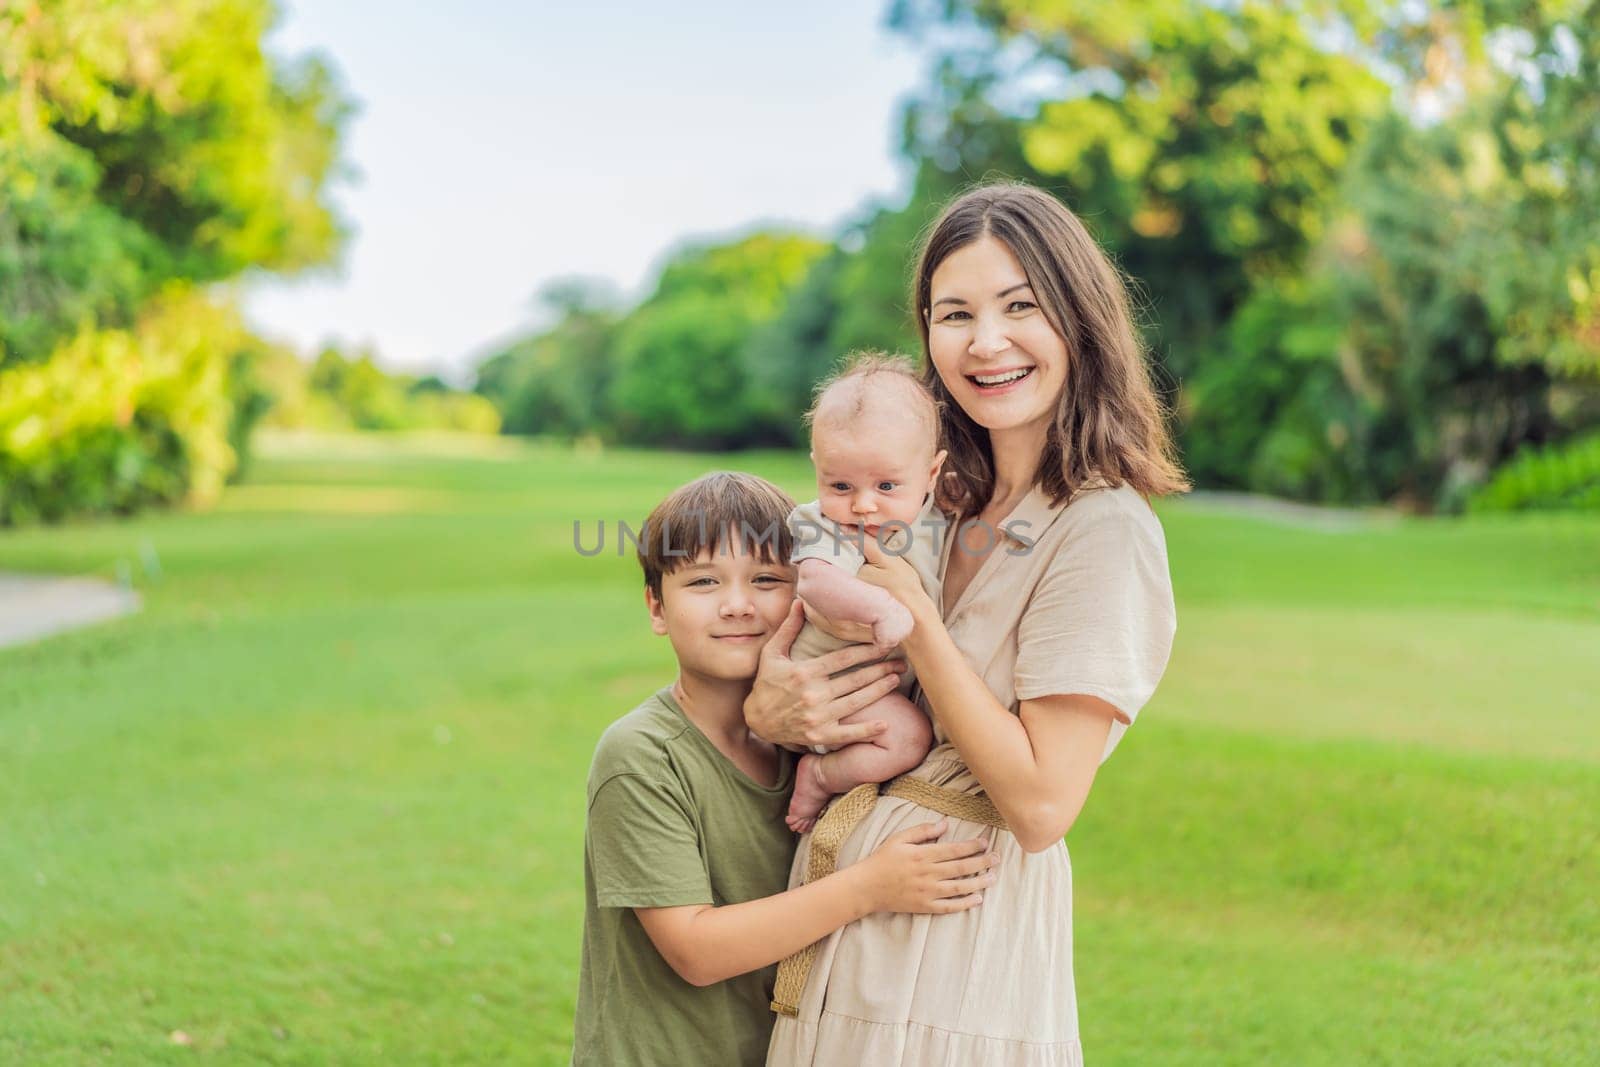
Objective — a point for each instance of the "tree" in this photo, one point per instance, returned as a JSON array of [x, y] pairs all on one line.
[[557, 381], [686, 366], [146, 149]]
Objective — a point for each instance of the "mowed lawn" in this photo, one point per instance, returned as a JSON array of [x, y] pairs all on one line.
[[322, 801]]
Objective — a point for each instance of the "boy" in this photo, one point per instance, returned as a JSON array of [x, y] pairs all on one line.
[[686, 853]]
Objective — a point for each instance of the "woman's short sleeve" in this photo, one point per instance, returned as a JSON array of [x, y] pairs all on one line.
[[1101, 620]]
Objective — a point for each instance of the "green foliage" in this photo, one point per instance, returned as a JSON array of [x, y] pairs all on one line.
[[684, 367], [1556, 477], [558, 380], [1200, 142], [144, 148], [1368, 291], [697, 363], [116, 420], [1266, 409], [681, 377], [352, 392]]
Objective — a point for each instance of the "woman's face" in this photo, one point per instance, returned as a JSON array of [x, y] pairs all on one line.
[[990, 341]]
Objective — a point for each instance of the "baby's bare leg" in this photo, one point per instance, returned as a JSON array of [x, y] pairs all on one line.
[[899, 748]]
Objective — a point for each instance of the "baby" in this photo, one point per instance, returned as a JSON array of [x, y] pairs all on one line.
[[875, 446]]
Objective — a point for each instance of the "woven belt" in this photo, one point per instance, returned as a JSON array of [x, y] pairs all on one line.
[[844, 814]]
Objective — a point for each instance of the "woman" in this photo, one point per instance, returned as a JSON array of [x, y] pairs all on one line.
[[1055, 627]]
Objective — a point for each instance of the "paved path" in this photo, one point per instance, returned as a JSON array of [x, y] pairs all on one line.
[[38, 605]]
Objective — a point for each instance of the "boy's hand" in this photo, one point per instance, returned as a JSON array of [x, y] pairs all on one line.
[[801, 703], [913, 871]]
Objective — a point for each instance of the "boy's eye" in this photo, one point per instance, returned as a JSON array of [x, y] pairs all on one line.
[[702, 582]]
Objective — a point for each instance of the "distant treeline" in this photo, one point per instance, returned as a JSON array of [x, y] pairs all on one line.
[[1367, 236]]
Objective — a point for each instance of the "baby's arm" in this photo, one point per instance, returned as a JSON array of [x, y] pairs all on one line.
[[843, 597]]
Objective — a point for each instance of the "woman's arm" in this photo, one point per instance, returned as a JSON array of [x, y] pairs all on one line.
[[1036, 766], [912, 871]]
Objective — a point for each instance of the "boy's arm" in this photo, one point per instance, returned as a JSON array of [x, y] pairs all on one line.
[[912, 871], [706, 944], [844, 598]]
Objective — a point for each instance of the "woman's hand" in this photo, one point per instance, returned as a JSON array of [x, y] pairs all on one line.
[[801, 703], [897, 575], [913, 871]]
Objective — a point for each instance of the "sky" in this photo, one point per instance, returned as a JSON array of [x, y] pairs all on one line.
[[502, 145]]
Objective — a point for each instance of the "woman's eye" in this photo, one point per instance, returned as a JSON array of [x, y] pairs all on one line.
[[1020, 305], [955, 316]]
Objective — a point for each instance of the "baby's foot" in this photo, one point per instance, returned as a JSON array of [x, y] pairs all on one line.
[[894, 627], [810, 795]]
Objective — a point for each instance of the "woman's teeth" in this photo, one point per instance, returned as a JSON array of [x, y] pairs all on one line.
[[1002, 379]]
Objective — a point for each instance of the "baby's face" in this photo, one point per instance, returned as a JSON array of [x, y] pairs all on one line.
[[868, 475]]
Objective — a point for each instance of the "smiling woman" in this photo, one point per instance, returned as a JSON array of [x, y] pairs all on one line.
[[1033, 660]]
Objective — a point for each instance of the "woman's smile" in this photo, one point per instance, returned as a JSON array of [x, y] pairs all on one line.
[[998, 383]]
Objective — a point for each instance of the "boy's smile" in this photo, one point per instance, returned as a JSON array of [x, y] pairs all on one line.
[[719, 610]]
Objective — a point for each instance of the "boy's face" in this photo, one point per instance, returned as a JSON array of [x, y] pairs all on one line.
[[867, 476], [719, 610]]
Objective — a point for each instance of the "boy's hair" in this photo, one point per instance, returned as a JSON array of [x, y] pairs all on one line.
[[699, 516], [859, 369]]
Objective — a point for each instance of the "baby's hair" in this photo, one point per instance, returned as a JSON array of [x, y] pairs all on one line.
[[862, 369]]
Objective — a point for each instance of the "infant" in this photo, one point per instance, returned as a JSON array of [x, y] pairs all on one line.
[[875, 446]]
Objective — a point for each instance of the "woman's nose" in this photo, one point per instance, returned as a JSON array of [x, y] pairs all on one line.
[[989, 337]]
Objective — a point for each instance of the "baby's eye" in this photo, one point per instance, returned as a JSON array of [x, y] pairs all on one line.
[[840, 487], [886, 487]]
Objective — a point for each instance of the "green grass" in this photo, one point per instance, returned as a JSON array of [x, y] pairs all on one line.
[[322, 800]]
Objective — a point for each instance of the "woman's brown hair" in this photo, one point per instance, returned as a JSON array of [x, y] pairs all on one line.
[[1109, 424]]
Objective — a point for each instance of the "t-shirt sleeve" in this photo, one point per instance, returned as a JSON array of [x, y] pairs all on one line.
[[1101, 620], [643, 847]]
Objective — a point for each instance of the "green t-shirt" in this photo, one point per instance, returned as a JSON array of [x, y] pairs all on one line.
[[672, 821]]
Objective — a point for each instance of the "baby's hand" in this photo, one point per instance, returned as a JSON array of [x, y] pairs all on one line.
[[893, 626]]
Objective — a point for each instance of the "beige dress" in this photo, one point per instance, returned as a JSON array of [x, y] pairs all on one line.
[[1086, 609]]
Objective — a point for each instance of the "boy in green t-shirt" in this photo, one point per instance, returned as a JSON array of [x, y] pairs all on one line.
[[686, 854]]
